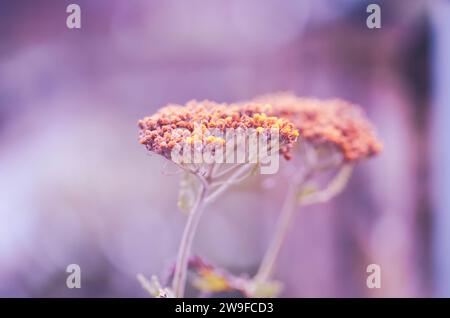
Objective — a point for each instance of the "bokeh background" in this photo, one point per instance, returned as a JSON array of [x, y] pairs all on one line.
[[76, 187]]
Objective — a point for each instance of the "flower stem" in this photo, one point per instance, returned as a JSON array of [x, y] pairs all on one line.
[[181, 267], [230, 181], [291, 204], [334, 187], [287, 213]]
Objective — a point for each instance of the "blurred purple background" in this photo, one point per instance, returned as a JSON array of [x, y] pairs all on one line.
[[76, 187]]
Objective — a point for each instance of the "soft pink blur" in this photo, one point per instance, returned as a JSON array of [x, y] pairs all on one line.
[[76, 187]]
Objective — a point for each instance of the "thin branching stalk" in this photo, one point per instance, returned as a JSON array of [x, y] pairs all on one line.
[[287, 214], [223, 172], [245, 168], [181, 267], [291, 205], [333, 188], [146, 284]]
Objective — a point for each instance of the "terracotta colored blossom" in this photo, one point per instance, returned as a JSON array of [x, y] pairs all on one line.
[[197, 129], [200, 125], [327, 121], [205, 122]]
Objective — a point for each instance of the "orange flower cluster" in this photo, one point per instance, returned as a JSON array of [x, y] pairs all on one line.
[[327, 121], [193, 123]]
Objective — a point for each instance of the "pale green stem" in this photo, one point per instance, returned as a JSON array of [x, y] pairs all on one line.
[[290, 206], [282, 227], [226, 184], [181, 267]]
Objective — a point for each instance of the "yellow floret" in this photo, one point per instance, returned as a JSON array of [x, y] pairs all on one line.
[[210, 139], [209, 281]]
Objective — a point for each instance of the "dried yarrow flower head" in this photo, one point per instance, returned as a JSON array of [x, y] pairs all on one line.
[[334, 122], [334, 136], [216, 145], [204, 128]]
